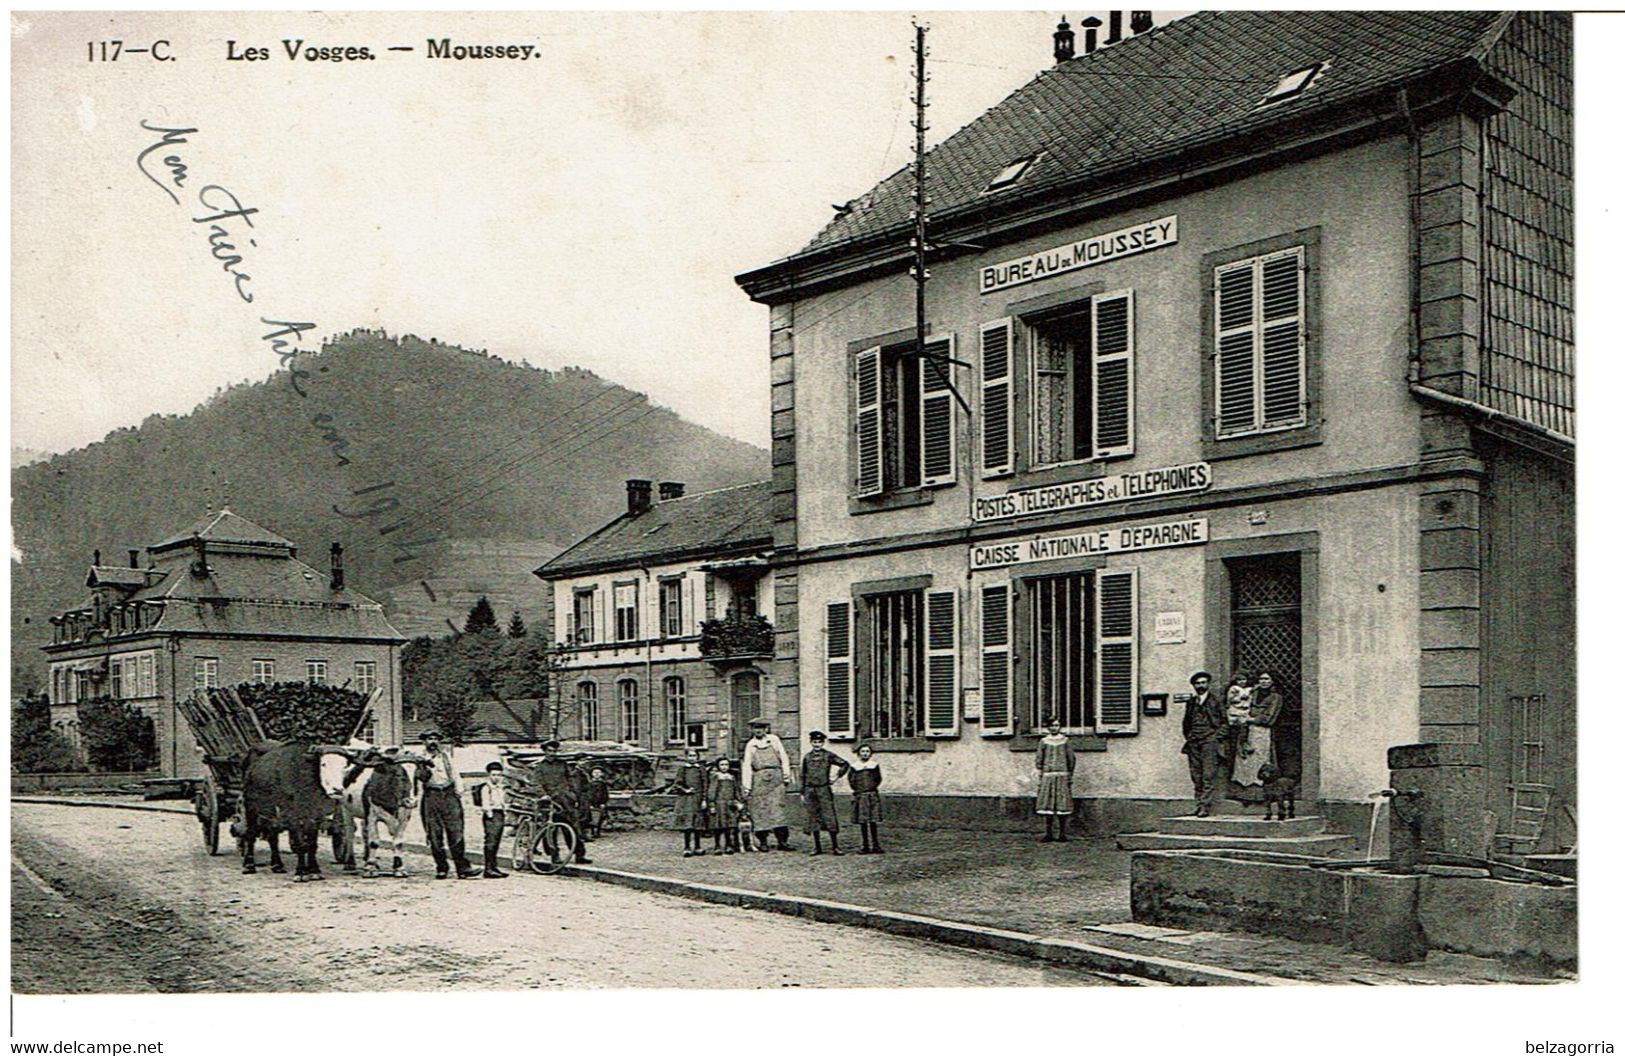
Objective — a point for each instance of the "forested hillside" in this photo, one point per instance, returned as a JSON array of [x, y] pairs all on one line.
[[446, 474]]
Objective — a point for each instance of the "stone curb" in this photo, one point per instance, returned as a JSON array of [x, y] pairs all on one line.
[[952, 933]]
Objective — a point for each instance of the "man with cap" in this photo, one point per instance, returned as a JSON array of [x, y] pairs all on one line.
[[817, 794], [558, 780], [443, 810], [1207, 739], [763, 776]]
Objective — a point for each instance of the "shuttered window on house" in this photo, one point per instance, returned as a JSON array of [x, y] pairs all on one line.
[[1116, 652], [838, 668], [937, 425], [1113, 340], [996, 708], [941, 663], [998, 450], [1259, 355], [866, 385]]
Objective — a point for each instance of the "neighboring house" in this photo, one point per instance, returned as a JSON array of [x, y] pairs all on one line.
[[662, 617], [1264, 322], [222, 603]]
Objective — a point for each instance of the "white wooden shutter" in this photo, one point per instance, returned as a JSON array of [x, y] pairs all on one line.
[[838, 668], [1117, 655], [1112, 323], [866, 382], [691, 621], [941, 663], [1234, 377], [937, 425], [1281, 352], [998, 451], [996, 702]]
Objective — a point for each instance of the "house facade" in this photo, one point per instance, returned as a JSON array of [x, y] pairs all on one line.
[[222, 603], [1248, 346], [663, 617]]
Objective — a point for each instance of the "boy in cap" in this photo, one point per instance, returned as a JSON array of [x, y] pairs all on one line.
[[817, 794], [492, 798]]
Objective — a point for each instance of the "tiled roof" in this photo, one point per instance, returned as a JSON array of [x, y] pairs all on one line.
[[247, 618], [225, 527], [114, 576], [724, 521], [1197, 79]]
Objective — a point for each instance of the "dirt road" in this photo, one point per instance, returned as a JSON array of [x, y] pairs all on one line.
[[120, 901]]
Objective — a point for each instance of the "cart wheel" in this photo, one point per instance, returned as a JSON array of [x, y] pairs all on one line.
[[206, 801], [554, 848], [524, 838]]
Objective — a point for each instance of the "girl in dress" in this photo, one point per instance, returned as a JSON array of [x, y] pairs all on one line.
[[723, 800], [864, 777], [689, 813], [1055, 761]]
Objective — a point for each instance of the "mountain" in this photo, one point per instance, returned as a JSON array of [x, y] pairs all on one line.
[[446, 473], [22, 456]]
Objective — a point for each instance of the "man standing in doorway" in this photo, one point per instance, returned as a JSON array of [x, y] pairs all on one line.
[[443, 810], [1207, 731]]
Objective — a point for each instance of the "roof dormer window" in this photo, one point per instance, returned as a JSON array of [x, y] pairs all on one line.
[[1011, 173], [1293, 84]]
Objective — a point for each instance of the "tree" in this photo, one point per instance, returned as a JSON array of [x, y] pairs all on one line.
[[516, 626], [482, 619], [117, 736], [35, 747]]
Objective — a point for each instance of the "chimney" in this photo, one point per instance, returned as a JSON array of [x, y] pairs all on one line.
[[96, 558], [1064, 39], [1115, 34], [336, 558], [670, 489], [637, 496], [1139, 21], [135, 559], [1091, 26]]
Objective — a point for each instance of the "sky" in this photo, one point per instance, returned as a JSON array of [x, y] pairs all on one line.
[[589, 206]]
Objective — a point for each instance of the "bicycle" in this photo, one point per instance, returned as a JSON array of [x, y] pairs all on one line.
[[543, 842]]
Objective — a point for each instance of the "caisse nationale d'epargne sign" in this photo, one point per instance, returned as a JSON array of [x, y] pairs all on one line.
[[1077, 494], [1190, 532], [1084, 253]]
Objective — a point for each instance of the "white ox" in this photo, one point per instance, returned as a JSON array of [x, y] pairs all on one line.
[[375, 789]]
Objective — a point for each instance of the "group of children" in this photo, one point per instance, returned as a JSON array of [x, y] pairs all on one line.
[[709, 801]]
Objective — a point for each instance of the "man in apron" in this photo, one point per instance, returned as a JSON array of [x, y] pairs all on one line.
[[764, 776]]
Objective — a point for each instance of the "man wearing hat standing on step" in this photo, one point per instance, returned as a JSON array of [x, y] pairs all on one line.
[[764, 777], [443, 810], [817, 794], [1207, 742], [559, 782]]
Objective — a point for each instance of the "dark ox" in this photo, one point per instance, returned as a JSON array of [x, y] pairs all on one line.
[[293, 787]]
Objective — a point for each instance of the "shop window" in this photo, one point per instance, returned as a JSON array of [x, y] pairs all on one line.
[[676, 694], [903, 417]]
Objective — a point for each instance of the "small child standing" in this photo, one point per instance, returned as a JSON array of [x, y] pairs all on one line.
[[864, 777], [597, 801], [689, 810], [722, 799]]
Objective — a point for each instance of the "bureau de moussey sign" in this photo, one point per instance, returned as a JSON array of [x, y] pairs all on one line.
[[1087, 544], [1084, 253]]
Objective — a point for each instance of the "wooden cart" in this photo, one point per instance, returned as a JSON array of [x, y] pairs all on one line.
[[226, 729]]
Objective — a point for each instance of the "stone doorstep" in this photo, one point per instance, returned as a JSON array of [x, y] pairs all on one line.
[[1250, 825], [1325, 845]]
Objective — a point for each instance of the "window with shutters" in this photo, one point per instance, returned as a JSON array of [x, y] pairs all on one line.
[[1083, 660], [626, 612], [904, 418], [585, 601], [671, 607], [1081, 392], [896, 664], [1261, 375]]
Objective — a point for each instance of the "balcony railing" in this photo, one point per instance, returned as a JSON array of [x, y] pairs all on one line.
[[736, 636]]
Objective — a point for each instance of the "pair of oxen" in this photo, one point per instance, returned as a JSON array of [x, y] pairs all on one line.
[[298, 787]]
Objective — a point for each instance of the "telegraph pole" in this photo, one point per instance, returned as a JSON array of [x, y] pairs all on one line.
[[921, 199]]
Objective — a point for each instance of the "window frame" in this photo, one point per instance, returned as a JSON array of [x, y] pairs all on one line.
[[208, 667], [676, 708], [626, 695], [313, 668], [888, 348], [616, 609], [587, 705], [590, 596], [254, 674], [1025, 714], [1279, 438], [1083, 302], [371, 669], [672, 585]]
